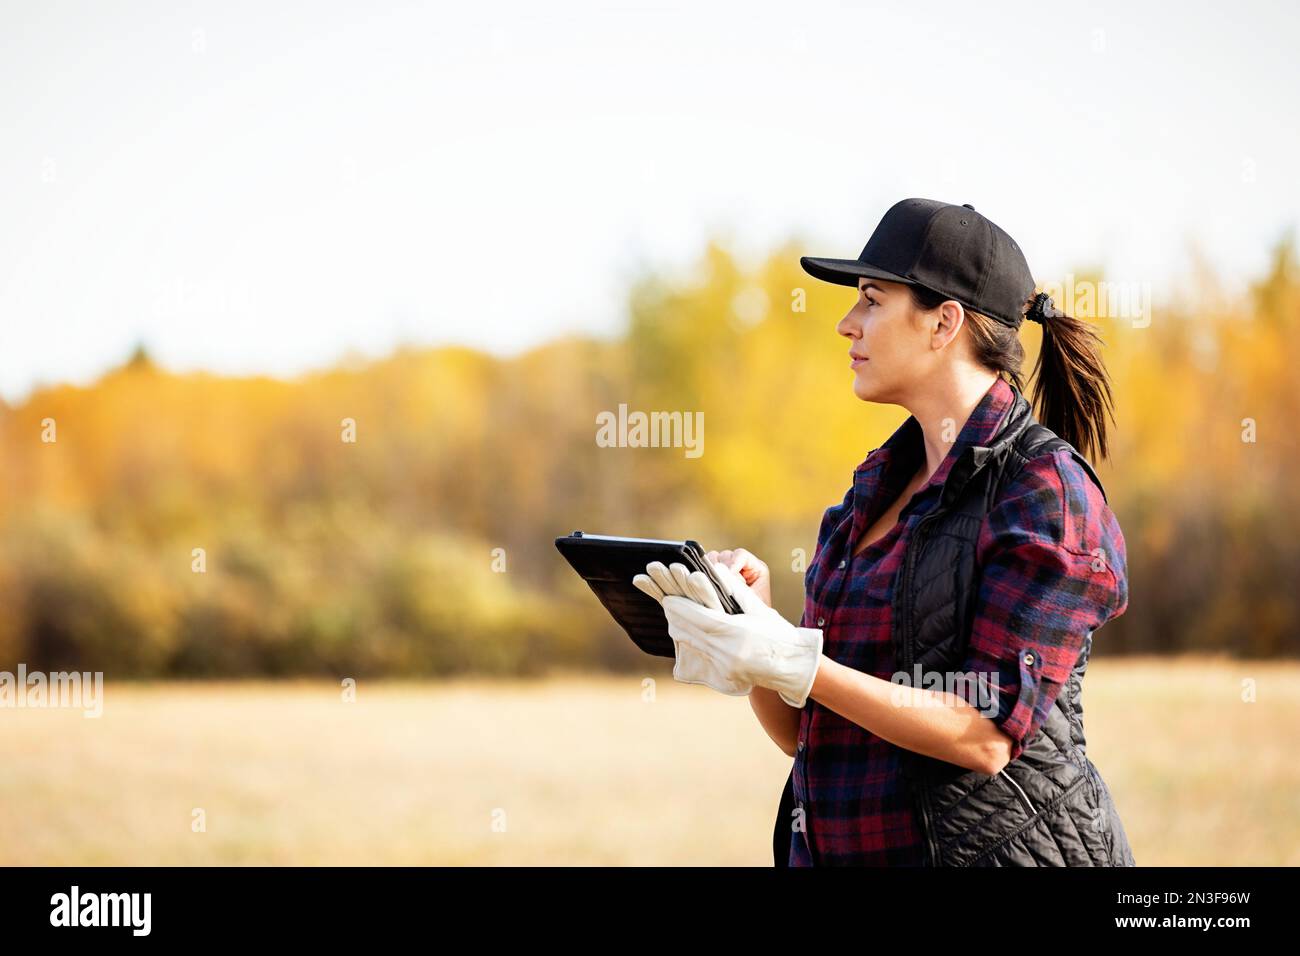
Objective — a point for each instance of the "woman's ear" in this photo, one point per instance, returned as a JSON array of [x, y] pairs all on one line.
[[949, 316]]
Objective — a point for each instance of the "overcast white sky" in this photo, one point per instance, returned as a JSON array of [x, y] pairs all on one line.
[[263, 186]]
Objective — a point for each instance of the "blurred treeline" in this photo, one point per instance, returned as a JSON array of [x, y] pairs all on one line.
[[425, 546]]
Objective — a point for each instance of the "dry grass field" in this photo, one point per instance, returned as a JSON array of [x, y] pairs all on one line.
[[574, 770]]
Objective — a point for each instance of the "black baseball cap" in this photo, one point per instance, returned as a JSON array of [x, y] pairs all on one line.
[[952, 250]]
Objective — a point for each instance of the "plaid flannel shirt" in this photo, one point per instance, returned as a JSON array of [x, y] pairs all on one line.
[[1052, 566]]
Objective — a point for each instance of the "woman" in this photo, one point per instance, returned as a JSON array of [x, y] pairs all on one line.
[[930, 693]]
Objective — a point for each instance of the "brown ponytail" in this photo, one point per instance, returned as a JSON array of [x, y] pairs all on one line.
[[1072, 393], [1071, 387]]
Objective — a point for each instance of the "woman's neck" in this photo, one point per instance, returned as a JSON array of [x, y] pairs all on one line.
[[943, 408]]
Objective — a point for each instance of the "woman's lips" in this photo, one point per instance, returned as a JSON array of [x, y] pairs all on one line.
[[856, 360]]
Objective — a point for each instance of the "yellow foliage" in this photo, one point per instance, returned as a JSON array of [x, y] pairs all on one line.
[[374, 552]]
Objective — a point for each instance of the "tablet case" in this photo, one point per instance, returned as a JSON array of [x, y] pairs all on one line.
[[608, 564]]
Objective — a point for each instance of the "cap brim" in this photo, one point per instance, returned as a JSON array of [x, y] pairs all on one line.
[[847, 271]]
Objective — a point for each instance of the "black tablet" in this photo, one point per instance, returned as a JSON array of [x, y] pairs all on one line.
[[608, 564]]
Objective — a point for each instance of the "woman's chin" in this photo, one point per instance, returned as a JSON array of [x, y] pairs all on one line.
[[863, 388]]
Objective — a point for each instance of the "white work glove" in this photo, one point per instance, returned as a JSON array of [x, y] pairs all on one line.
[[757, 646], [691, 666]]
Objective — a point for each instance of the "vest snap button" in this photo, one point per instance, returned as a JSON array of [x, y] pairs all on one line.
[[1029, 659], [821, 622], [842, 564]]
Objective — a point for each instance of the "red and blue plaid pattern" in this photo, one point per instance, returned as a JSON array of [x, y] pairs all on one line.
[[1052, 567]]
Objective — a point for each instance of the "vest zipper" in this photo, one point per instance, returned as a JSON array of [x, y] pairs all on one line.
[[909, 654], [1023, 797]]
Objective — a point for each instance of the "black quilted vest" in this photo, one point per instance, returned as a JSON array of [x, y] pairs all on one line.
[[1049, 806]]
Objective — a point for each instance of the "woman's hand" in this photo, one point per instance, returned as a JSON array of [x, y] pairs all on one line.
[[755, 573], [757, 647], [692, 666]]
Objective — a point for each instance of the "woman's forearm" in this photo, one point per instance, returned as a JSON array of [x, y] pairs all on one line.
[[779, 719], [936, 723]]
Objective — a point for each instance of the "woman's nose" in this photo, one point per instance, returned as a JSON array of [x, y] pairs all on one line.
[[848, 326]]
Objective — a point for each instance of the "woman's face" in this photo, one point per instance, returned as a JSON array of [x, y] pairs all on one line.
[[890, 347]]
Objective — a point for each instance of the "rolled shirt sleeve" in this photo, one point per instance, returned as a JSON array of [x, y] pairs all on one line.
[[1053, 568]]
